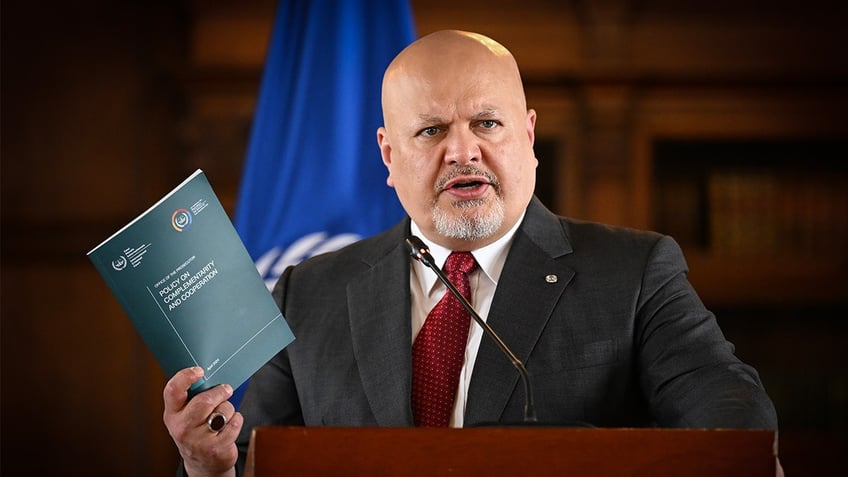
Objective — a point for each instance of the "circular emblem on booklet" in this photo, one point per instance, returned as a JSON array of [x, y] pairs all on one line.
[[181, 219], [119, 263]]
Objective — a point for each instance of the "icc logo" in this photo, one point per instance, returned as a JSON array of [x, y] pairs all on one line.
[[181, 219], [120, 263]]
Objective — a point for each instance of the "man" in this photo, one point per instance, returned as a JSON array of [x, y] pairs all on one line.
[[604, 318]]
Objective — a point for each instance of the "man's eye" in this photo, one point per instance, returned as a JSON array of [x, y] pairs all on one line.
[[431, 131], [488, 124]]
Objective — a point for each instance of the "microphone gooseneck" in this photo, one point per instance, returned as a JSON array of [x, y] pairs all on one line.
[[419, 251]]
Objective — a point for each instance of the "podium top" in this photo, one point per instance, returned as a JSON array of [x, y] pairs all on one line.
[[541, 451]]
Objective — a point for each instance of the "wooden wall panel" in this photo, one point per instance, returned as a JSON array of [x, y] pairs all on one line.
[[91, 113], [77, 380]]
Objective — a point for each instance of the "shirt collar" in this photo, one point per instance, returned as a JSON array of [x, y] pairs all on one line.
[[491, 258]]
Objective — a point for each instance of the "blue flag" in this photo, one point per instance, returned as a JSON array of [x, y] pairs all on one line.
[[313, 179]]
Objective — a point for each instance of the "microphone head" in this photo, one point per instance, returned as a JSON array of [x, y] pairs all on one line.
[[418, 250]]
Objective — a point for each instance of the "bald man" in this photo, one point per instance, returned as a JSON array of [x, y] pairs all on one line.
[[610, 330]]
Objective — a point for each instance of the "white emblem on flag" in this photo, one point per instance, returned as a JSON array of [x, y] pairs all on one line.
[[273, 262]]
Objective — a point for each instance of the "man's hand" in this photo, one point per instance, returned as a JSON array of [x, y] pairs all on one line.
[[205, 452]]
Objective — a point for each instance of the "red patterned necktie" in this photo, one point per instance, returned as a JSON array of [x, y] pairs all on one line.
[[439, 348]]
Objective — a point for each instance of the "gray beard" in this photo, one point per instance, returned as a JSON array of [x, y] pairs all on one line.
[[469, 227]]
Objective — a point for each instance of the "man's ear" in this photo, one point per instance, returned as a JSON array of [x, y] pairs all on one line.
[[531, 126], [385, 152]]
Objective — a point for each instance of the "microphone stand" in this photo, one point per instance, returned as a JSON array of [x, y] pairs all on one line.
[[419, 251]]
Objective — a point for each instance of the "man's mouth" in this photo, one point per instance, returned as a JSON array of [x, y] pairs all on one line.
[[467, 187], [467, 184]]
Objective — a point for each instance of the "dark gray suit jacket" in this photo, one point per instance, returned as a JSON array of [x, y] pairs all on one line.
[[619, 339]]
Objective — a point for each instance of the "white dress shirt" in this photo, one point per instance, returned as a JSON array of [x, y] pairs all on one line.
[[427, 290]]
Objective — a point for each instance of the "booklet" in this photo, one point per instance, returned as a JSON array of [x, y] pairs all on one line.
[[190, 288]]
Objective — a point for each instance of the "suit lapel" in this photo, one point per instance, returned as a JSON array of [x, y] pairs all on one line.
[[523, 303], [380, 326]]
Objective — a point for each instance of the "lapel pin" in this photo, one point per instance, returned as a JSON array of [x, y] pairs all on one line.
[[551, 278]]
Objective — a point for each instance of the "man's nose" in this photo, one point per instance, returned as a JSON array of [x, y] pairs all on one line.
[[461, 146]]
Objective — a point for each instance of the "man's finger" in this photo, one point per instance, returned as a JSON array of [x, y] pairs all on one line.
[[176, 390], [202, 405]]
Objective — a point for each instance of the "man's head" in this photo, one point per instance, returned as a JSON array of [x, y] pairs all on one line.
[[458, 138]]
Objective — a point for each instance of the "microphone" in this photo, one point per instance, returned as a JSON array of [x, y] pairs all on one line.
[[421, 252]]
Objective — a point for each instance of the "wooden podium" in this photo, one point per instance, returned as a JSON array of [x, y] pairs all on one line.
[[519, 451]]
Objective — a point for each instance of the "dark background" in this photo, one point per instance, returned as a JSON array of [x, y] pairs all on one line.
[[688, 119]]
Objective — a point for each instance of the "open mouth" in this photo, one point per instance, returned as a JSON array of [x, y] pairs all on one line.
[[468, 185]]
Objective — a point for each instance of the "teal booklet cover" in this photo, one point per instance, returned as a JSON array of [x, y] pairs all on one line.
[[190, 288]]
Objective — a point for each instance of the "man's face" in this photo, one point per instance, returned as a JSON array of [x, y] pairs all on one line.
[[458, 145]]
